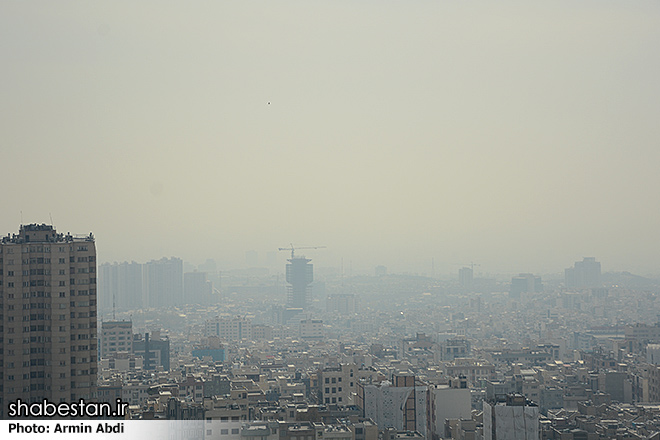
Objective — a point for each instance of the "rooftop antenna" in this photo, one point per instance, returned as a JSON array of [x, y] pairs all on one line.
[[21, 217], [51, 218]]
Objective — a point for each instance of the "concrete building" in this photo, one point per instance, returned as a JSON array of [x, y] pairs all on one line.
[[525, 283], [466, 277], [311, 329], [120, 286], [339, 384], [403, 404], [583, 274], [344, 304], [197, 289], [475, 371], [122, 361], [48, 348], [451, 402], [515, 418], [115, 336], [162, 282], [454, 348], [154, 349], [299, 275], [236, 328]]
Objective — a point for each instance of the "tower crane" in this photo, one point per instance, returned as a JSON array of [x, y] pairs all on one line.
[[292, 249], [471, 265]]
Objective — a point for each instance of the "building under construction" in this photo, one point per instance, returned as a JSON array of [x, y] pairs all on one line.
[[299, 275]]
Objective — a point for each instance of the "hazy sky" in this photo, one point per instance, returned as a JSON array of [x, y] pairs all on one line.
[[519, 135]]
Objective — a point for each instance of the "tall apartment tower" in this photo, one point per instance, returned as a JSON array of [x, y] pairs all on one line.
[[48, 339], [466, 276], [299, 275], [162, 283], [583, 274], [120, 286]]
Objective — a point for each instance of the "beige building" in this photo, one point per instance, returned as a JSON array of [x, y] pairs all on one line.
[[235, 328], [339, 384], [474, 370], [116, 336], [311, 329], [48, 348]]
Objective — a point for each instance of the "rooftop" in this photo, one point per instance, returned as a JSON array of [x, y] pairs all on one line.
[[43, 233]]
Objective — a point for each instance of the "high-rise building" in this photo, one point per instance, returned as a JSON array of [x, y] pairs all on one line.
[[525, 283], [116, 336], [299, 275], [583, 274], [342, 303], [120, 286], [466, 276], [162, 282], [197, 289], [48, 339]]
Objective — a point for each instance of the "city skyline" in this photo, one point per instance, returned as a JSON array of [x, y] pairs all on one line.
[[345, 220]]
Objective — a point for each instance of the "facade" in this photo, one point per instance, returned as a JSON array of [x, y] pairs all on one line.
[[120, 286], [299, 275], [515, 418], [48, 348], [236, 328], [311, 329], [339, 384], [197, 289], [475, 371], [454, 348], [525, 283], [344, 304], [154, 349], [403, 404], [583, 274], [162, 282], [116, 336], [451, 402], [466, 277]]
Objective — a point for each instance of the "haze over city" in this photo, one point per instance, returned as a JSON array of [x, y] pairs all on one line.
[[520, 136]]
